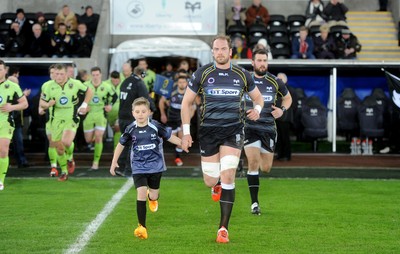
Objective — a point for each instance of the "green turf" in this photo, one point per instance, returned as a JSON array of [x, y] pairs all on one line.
[[298, 216]]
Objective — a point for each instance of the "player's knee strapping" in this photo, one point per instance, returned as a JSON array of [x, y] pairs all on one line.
[[211, 168], [229, 162]]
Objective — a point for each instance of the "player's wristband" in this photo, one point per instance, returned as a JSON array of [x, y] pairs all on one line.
[[186, 129], [83, 105], [258, 108]]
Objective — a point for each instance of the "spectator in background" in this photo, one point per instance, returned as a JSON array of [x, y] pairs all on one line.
[[67, 17], [257, 14], [324, 45], [262, 44], [39, 46], [347, 45], [16, 42], [41, 20], [315, 13], [303, 46], [83, 42], [90, 19], [335, 13], [169, 71], [238, 14], [25, 27], [61, 42], [239, 50]]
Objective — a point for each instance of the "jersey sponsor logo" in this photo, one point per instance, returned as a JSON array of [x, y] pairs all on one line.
[[123, 95], [211, 80], [223, 74], [96, 99], [267, 97], [176, 105], [63, 100], [146, 147], [369, 111], [223, 92], [313, 112], [1, 99]]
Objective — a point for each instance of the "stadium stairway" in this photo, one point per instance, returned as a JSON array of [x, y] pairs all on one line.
[[377, 34]]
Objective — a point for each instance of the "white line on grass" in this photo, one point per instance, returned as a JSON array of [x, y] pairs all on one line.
[[91, 229]]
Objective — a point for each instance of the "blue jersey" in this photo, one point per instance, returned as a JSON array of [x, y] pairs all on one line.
[[270, 87], [147, 154], [221, 94]]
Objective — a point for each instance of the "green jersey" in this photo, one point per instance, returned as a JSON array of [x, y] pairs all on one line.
[[9, 93], [102, 95], [49, 112], [66, 97]]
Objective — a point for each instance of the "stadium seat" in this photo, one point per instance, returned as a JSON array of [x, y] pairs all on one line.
[[236, 30], [282, 53], [314, 31], [347, 113], [8, 17], [279, 42], [294, 31], [296, 20], [370, 117], [276, 20], [31, 17], [314, 117], [277, 31], [50, 17], [257, 30]]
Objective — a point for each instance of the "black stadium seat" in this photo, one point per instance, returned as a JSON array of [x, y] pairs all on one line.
[[8, 17], [277, 31], [296, 20], [276, 20]]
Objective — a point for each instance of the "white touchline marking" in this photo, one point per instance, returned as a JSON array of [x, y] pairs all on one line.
[[91, 229]]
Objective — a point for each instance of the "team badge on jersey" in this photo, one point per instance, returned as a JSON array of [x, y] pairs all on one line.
[[102, 89], [70, 85], [7, 86], [95, 99], [63, 100]]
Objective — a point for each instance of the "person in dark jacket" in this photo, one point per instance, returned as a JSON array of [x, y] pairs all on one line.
[[324, 45], [347, 45], [40, 44], [83, 42], [335, 13]]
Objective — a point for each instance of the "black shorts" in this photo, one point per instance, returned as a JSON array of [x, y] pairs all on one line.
[[268, 139], [211, 138], [174, 124], [152, 180]]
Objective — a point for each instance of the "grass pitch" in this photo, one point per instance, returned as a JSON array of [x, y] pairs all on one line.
[[298, 216]]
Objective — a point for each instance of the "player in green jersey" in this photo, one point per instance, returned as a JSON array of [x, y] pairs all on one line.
[[11, 99], [112, 116], [62, 95], [95, 122]]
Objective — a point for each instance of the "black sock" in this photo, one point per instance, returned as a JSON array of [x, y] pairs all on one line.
[[254, 184], [226, 205], [141, 212]]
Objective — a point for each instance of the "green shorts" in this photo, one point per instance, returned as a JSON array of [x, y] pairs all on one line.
[[58, 126], [96, 121], [6, 130], [48, 128], [112, 116]]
